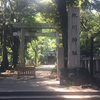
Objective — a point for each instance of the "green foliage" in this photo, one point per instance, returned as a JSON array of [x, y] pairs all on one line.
[[17, 11], [55, 66], [96, 5], [4, 75], [37, 48], [89, 22], [25, 11], [50, 13], [69, 83], [89, 27]]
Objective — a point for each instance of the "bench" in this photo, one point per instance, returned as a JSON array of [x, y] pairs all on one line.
[[25, 71]]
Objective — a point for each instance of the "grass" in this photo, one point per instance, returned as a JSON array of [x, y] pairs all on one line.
[[55, 66], [2, 76], [5, 74], [29, 65], [32, 66]]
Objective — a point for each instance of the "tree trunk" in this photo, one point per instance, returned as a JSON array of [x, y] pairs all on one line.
[[64, 25], [37, 52], [15, 50], [35, 56], [15, 44], [4, 63]]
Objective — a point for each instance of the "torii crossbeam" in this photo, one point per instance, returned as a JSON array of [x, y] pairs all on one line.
[[22, 34]]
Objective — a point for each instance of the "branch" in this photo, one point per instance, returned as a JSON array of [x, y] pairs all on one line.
[[10, 5], [33, 48]]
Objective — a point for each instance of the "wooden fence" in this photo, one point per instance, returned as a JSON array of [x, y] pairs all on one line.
[[85, 62]]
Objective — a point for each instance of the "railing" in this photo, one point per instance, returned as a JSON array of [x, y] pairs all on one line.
[[85, 62]]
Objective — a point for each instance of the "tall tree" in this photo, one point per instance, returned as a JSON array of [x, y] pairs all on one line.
[[19, 11], [57, 14], [4, 63], [24, 13], [89, 27], [64, 25]]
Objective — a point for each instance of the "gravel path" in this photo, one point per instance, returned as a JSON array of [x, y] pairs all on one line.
[[41, 83]]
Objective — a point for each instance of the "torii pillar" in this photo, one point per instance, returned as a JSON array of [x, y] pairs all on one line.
[[21, 56], [60, 57]]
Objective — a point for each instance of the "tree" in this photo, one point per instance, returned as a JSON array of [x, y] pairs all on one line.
[[4, 63], [56, 13], [19, 11], [37, 47], [89, 27]]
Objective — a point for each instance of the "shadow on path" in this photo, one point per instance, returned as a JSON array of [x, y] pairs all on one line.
[[41, 83]]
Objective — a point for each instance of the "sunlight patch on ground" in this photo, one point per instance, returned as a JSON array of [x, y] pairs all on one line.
[[49, 82], [73, 96], [47, 66], [71, 89], [53, 82], [80, 96]]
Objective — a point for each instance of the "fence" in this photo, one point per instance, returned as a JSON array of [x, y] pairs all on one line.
[[85, 62]]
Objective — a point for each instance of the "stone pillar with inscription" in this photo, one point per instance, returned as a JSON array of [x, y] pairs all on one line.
[[68, 75], [73, 38]]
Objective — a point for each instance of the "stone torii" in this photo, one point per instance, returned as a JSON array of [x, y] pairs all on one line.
[[73, 60], [22, 34]]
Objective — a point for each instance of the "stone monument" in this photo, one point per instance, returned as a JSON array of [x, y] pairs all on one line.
[[73, 38], [74, 74]]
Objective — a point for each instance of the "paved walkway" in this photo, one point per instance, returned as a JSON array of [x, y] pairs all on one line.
[[41, 83]]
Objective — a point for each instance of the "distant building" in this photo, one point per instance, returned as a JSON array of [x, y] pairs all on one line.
[[50, 57]]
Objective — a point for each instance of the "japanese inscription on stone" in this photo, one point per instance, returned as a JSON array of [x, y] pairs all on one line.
[[73, 38], [74, 15]]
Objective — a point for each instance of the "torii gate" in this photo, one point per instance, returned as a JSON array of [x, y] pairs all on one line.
[[22, 34], [73, 40]]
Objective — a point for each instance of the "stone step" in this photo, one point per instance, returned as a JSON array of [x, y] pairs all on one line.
[[97, 78], [48, 95], [44, 93], [57, 97]]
